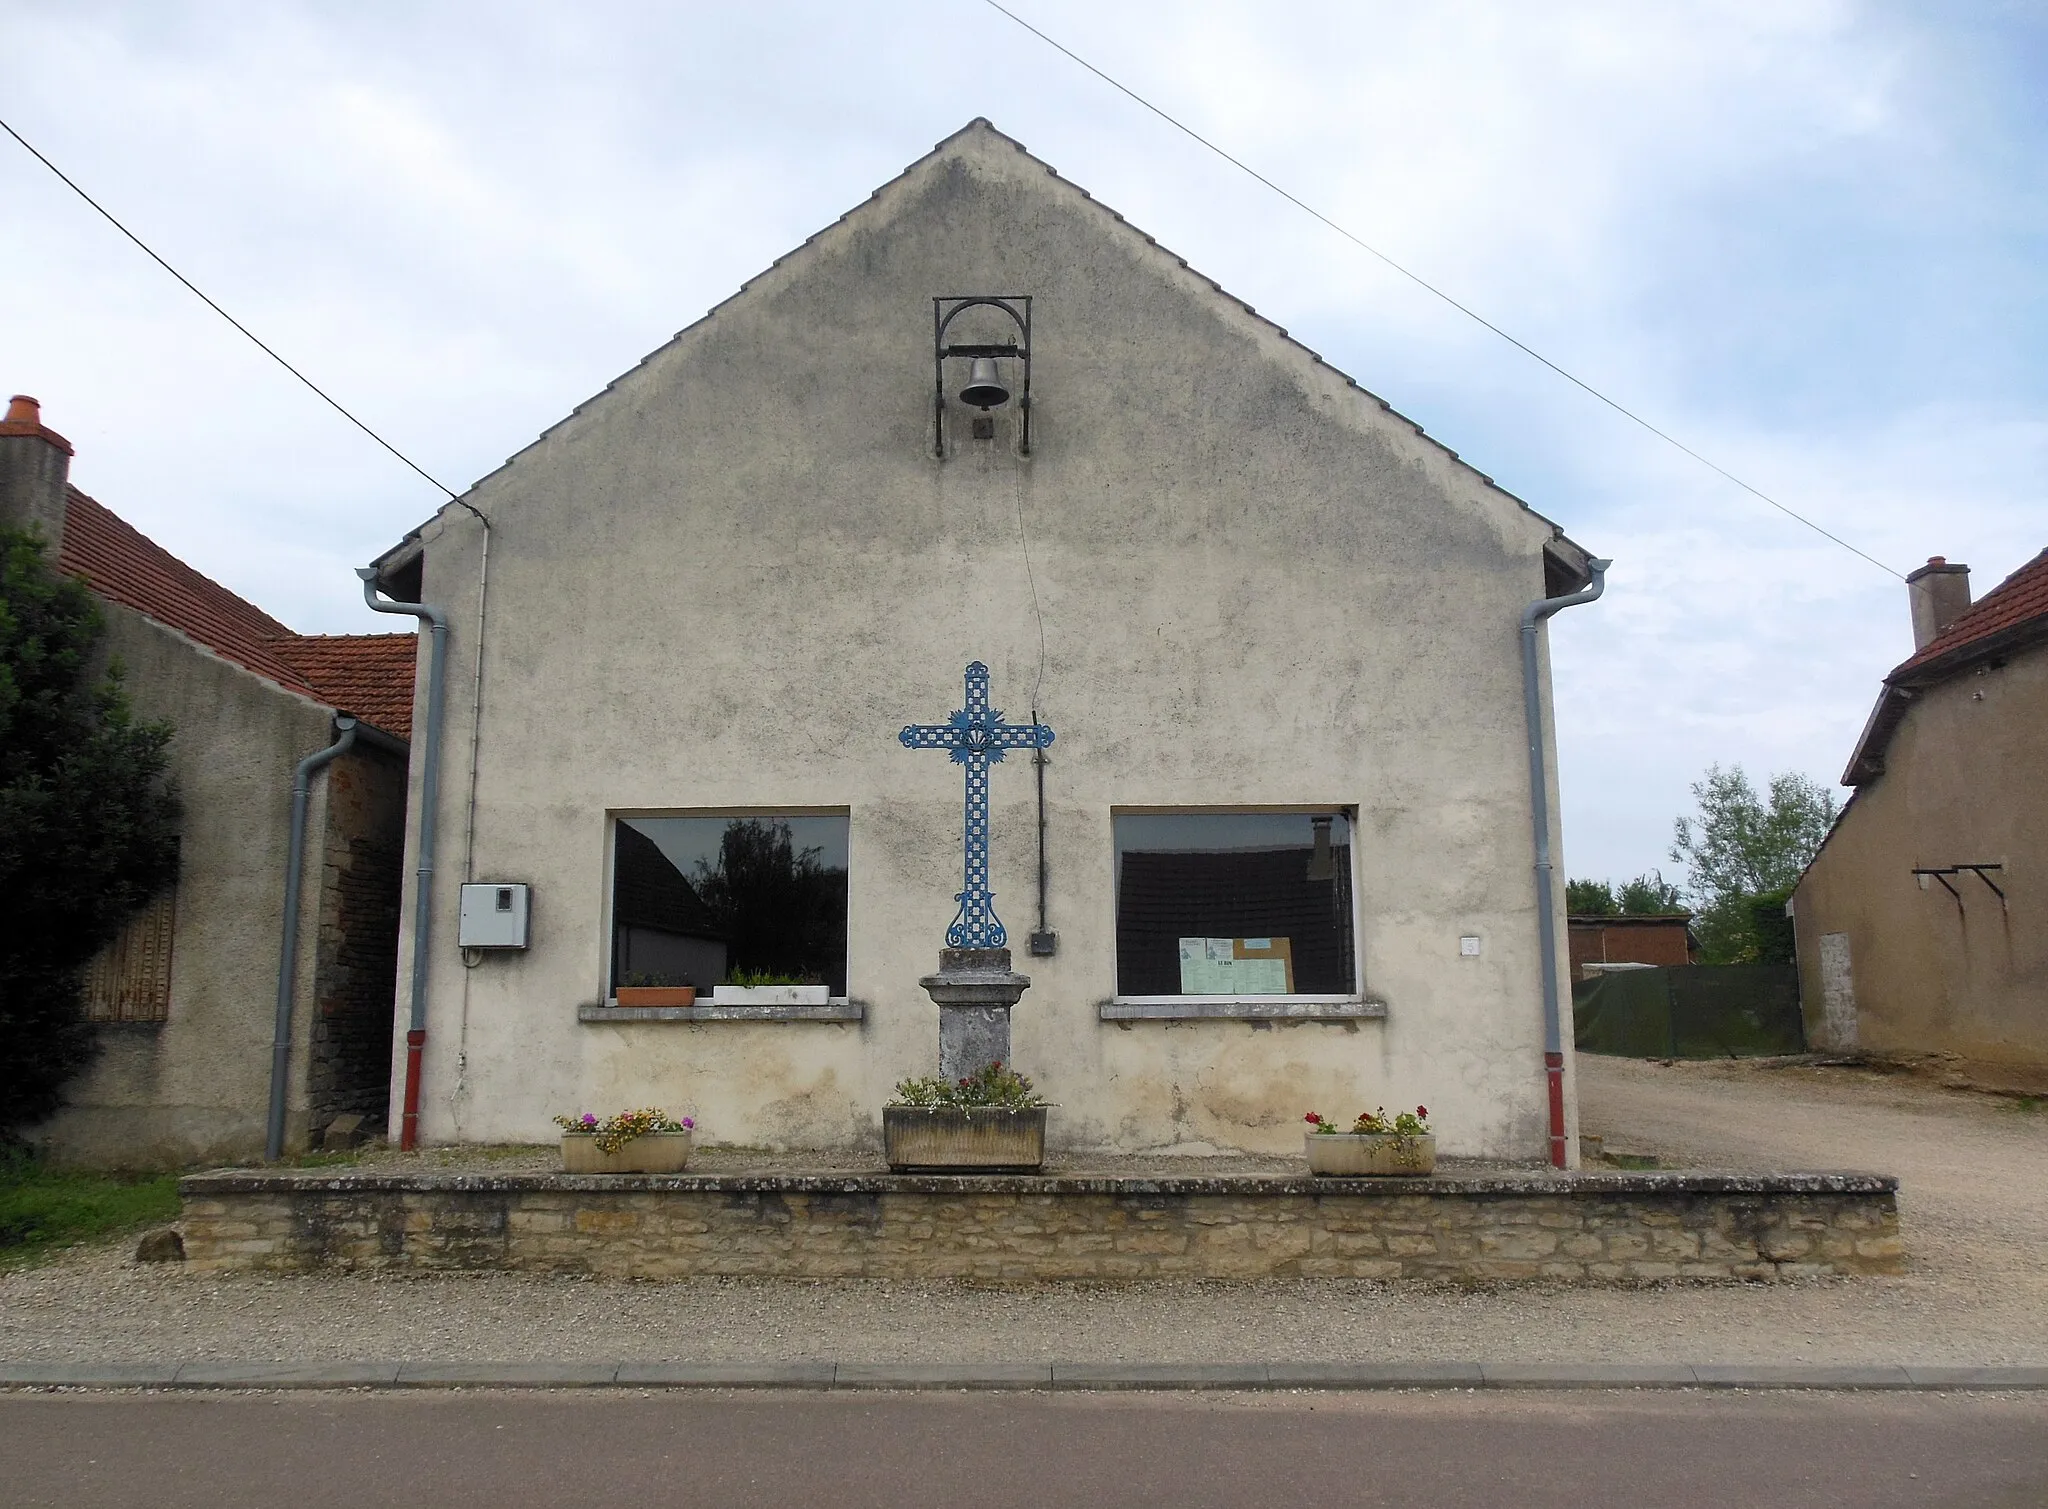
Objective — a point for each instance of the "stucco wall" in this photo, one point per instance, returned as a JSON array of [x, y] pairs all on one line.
[[195, 1087], [728, 581], [1965, 781]]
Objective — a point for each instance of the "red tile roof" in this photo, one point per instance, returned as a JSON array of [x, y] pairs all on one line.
[[2019, 599], [2010, 616], [369, 675]]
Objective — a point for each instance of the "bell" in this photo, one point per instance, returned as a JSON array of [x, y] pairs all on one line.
[[984, 388]]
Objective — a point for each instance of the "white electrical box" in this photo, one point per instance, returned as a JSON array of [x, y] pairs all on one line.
[[492, 916]]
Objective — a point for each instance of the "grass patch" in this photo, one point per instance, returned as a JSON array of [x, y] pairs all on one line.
[[42, 1208]]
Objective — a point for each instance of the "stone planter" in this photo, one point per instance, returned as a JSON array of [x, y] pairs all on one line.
[[650, 1153], [771, 995], [987, 1139], [655, 995], [1344, 1155]]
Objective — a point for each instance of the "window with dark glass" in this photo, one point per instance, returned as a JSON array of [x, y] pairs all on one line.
[[1234, 904], [704, 901]]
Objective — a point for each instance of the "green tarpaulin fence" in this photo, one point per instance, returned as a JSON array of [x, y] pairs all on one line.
[[1690, 1011]]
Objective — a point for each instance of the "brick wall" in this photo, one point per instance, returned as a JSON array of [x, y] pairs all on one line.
[[1579, 1229], [349, 1061]]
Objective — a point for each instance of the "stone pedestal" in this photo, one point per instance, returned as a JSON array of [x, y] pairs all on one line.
[[975, 989]]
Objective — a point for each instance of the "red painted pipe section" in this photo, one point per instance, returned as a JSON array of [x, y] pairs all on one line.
[[415, 1049], [1553, 1069]]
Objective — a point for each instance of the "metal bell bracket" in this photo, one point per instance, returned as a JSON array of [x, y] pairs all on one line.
[[983, 377]]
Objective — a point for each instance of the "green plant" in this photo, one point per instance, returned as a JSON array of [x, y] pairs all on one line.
[[749, 979], [654, 978], [991, 1086], [1377, 1123], [617, 1131], [88, 822]]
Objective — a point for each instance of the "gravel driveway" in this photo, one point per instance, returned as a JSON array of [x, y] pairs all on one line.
[[1974, 1202]]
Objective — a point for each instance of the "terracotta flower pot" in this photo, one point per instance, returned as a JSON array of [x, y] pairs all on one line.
[[1370, 1154], [985, 1139], [649, 1153], [656, 995]]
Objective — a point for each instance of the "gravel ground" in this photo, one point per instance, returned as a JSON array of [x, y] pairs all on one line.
[[1975, 1203]]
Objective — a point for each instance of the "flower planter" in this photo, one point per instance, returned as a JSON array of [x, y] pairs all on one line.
[[771, 995], [1349, 1155], [987, 1139], [649, 1153], [655, 995]]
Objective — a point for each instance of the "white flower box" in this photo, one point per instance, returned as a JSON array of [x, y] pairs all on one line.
[[771, 995]]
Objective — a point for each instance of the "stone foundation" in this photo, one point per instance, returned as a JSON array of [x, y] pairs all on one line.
[[1594, 1228]]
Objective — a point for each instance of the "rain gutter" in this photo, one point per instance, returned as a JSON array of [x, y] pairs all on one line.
[[1539, 805]]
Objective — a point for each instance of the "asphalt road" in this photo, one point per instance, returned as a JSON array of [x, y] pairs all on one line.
[[738, 1451]]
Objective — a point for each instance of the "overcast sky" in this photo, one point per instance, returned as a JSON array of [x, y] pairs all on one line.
[[1806, 238]]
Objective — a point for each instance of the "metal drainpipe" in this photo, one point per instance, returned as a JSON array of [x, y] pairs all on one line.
[[346, 731], [436, 620], [1539, 803]]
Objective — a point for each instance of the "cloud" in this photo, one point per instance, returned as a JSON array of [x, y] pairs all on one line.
[[1803, 236]]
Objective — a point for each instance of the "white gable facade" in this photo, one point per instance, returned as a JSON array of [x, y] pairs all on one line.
[[1233, 583]]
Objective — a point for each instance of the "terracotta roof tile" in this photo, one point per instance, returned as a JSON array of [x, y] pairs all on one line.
[[370, 675], [2020, 598]]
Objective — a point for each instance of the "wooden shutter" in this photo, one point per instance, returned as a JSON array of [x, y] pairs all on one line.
[[130, 979]]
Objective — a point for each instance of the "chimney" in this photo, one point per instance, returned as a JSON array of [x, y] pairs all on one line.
[[35, 463], [1939, 594]]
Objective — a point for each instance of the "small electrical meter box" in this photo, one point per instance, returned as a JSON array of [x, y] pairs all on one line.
[[492, 916]]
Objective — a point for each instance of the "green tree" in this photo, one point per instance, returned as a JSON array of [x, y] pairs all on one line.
[[1741, 847], [1589, 898], [1650, 895], [88, 823], [781, 911]]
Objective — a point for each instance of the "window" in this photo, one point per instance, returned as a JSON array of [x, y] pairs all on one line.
[[1234, 904], [130, 979], [696, 899]]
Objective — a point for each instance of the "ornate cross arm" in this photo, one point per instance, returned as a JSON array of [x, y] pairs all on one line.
[[975, 736]]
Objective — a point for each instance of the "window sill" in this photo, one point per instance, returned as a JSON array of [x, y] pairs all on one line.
[[1243, 1009], [839, 1010]]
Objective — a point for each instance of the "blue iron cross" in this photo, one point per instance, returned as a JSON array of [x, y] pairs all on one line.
[[975, 736]]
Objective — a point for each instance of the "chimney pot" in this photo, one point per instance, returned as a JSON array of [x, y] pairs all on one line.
[[35, 464], [1938, 594]]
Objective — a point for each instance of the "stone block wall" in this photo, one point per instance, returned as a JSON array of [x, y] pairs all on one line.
[[348, 1064], [1577, 1229]]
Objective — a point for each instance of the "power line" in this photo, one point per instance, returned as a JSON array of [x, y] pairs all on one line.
[[1424, 283], [325, 397]]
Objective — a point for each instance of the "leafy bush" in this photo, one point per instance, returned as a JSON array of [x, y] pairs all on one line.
[[88, 822]]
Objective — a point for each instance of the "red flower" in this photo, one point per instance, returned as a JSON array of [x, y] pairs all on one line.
[[1423, 1112], [1313, 1118]]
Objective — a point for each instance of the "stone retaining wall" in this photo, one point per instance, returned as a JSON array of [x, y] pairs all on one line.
[[1575, 1228]]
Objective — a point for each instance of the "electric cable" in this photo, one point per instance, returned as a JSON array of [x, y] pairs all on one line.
[[1430, 287], [324, 396]]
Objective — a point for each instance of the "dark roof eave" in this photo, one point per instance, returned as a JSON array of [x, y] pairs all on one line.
[[1905, 684]]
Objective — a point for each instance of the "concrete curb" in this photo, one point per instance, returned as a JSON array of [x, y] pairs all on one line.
[[827, 1374]]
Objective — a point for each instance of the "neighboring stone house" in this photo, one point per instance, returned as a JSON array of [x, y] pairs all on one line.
[[1662, 939], [187, 997], [1274, 626], [1923, 922]]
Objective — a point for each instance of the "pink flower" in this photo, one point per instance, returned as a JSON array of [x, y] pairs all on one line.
[[689, 1124], [589, 1120]]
